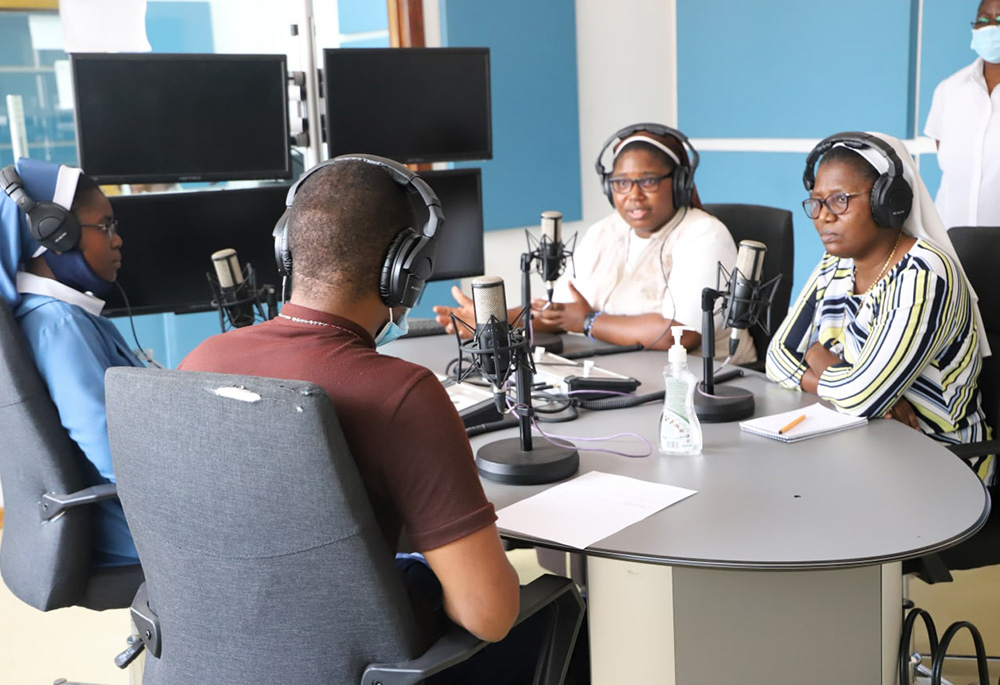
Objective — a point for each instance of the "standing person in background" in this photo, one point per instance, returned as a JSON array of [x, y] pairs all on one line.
[[55, 296], [965, 121], [642, 268]]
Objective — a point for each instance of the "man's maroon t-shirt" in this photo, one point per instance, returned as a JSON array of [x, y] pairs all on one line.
[[407, 439]]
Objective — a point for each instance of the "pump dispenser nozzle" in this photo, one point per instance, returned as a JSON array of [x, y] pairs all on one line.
[[678, 353]]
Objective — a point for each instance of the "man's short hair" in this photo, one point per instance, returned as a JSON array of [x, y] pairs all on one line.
[[342, 221]]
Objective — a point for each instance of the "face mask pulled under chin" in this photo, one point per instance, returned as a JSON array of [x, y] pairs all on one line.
[[393, 330], [986, 42]]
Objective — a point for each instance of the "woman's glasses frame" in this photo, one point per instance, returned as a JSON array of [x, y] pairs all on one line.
[[983, 22], [109, 228], [836, 203], [647, 184]]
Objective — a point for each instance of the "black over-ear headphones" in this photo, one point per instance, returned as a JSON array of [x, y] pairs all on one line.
[[409, 262], [892, 196], [683, 177], [54, 227]]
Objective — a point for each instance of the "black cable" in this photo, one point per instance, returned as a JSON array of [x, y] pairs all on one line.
[[620, 402], [506, 422], [727, 375], [563, 405], [140, 350]]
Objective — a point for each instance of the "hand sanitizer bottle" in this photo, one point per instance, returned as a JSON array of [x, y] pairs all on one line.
[[680, 432]]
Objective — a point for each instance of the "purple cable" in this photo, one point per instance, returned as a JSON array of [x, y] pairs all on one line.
[[565, 440]]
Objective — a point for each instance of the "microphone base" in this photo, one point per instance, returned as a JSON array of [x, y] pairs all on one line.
[[504, 461], [552, 342], [727, 403]]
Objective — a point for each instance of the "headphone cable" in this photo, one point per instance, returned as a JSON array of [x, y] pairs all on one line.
[[140, 351]]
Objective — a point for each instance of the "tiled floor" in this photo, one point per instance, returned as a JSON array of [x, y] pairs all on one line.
[[37, 648]]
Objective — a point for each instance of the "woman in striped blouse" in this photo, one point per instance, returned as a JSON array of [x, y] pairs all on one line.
[[887, 325]]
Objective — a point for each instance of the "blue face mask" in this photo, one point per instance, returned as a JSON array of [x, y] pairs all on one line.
[[986, 41], [393, 330]]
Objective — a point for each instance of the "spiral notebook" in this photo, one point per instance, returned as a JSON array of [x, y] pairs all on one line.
[[815, 420]]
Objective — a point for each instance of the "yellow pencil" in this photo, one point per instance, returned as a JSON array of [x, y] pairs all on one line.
[[792, 425]]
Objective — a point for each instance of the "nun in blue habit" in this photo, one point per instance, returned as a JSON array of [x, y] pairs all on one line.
[[55, 296]]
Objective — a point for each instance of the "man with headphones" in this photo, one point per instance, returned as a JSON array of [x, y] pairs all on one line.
[[887, 325], [357, 265], [60, 253], [642, 268]]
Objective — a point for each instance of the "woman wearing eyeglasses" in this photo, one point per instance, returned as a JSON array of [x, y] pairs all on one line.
[[642, 268], [965, 121], [887, 325], [55, 298]]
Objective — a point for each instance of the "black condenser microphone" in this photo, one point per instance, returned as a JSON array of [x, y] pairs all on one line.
[[552, 258], [744, 287], [492, 337], [235, 298]]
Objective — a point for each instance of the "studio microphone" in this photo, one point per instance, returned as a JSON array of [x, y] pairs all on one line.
[[237, 302], [744, 288], [552, 259], [492, 341]]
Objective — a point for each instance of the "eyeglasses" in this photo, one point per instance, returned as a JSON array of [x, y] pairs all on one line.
[[110, 228], [836, 204], [983, 22], [647, 184]]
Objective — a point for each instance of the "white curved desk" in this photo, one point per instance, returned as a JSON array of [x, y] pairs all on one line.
[[783, 568]]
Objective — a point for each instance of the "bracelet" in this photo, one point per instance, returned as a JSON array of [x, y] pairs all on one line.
[[588, 324]]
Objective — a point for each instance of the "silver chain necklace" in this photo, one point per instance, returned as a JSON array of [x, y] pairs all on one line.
[[312, 322], [308, 321]]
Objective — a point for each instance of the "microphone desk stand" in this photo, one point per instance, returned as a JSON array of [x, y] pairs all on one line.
[[517, 461], [724, 403]]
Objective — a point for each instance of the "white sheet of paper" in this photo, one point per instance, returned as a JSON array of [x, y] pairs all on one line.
[[104, 25], [588, 508]]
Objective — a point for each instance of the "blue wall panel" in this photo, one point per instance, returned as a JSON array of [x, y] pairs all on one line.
[[179, 27], [169, 336], [362, 16], [793, 69], [378, 42], [946, 49], [761, 178], [536, 130]]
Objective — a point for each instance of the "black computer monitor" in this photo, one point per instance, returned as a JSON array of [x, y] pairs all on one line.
[[409, 104], [156, 118], [169, 240], [460, 243]]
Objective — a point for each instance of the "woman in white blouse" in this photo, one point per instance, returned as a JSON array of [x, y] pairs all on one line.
[[641, 269]]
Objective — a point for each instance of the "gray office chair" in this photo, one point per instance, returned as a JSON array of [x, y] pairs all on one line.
[[773, 227], [263, 558], [977, 247], [45, 558]]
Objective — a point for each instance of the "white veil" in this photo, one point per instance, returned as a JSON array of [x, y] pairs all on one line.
[[924, 220]]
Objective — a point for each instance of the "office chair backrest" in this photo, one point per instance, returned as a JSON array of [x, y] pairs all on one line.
[[44, 563], [773, 227], [977, 247], [263, 559]]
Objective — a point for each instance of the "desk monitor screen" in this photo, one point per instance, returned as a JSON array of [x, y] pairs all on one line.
[[169, 240], [460, 244], [409, 104], [156, 118]]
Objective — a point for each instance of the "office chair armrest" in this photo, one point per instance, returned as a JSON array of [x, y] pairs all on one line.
[[147, 623], [458, 645], [975, 449], [52, 505]]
